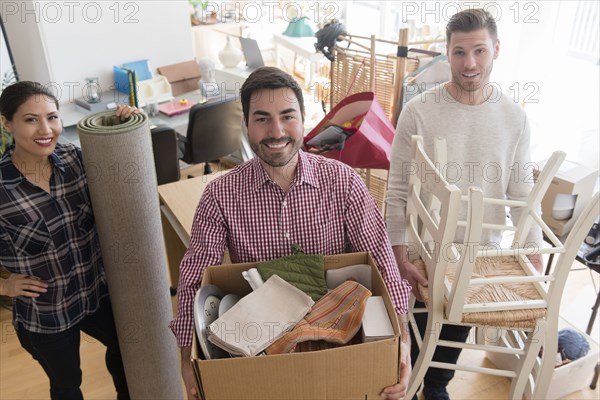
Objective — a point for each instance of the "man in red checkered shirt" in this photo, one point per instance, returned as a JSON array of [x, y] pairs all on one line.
[[282, 197]]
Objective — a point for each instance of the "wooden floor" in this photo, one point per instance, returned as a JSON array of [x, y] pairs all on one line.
[[22, 378]]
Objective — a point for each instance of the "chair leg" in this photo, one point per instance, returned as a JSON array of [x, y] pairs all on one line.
[[430, 340], [544, 375], [595, 378], [595, 307], [527, 361]]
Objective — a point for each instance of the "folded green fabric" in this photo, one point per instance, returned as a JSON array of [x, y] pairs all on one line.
[[306, 272]]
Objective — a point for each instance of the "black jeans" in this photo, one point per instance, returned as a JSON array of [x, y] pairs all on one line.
[[436, 377], [58, 353]]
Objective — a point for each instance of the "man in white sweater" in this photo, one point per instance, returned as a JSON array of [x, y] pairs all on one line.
[[487, 136]]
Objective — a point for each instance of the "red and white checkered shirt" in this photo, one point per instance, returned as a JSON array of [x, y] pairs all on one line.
[[327, 210]]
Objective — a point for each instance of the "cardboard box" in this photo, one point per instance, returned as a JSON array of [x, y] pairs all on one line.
[[358, 371], [572, 179], [566, 378], [183, 77]]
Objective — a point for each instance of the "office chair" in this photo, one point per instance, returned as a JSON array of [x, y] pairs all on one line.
[[214, 131], [166, 154]]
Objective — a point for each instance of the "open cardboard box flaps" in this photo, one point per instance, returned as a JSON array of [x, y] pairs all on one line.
[[358, 371], [572, 179]]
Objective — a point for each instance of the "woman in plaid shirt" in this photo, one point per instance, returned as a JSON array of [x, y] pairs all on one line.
[[49, 243]]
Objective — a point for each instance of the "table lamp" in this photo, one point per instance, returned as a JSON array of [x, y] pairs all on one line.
[[299, 27]]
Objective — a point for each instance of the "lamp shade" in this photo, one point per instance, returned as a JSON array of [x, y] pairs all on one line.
[[299, 27]]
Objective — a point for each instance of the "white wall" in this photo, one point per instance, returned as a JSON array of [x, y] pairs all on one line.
[[64, 42], [23, 35]]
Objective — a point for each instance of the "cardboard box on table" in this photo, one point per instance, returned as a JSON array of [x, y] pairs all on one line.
[[183, 76], [358, 371], [571, 179]]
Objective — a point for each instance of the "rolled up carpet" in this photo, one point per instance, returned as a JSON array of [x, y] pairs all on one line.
[[119, 164]]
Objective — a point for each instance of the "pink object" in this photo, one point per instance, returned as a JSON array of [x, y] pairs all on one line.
[[370, 146], [174, 107]]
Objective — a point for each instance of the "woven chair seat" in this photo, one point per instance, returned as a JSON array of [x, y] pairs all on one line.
[[493, 293]]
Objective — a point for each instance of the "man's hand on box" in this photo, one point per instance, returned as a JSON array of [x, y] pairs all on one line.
[[187, 373], [398, 391]]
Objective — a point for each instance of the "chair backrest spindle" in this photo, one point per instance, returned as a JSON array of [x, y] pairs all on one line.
[[431, 231]]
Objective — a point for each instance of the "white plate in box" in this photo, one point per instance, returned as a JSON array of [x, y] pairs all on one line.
[[227, 302], [206, 311]]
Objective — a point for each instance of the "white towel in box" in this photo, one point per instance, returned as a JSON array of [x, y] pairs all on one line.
[[260, 318]]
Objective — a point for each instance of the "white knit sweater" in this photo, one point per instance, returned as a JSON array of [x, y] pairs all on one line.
[[488, 147]]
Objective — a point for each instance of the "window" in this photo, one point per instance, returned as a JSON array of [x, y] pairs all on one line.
[[583, 41]]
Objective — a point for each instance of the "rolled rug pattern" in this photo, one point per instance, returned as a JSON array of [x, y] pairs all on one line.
[[119, 164]]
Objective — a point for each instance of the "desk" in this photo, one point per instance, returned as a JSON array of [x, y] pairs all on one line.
[[179, 122], [71, 113], [178, 202], [304, 47], [232, 77], [230, 81]]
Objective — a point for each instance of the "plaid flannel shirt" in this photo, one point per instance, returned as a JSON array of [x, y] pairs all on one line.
[[51, 236]]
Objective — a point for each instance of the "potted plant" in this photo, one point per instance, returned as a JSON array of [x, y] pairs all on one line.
[[200, 13], [6, 140]]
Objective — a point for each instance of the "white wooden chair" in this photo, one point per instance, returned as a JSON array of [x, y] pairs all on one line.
[[482, 287]]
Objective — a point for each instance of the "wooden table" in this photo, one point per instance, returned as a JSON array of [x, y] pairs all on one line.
[[178, 206], [302, 46]]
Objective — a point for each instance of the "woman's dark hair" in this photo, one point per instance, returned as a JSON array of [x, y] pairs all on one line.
[[471, 20], [18, 93], [268, 78]]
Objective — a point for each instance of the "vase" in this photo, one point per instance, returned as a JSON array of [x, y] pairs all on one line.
[[230, 55], [93, 92]]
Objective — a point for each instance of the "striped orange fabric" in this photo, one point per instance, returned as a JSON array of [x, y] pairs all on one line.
[[335, 318]]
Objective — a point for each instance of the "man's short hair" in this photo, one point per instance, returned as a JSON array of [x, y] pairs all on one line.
[[471, 20], [268, 78]]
